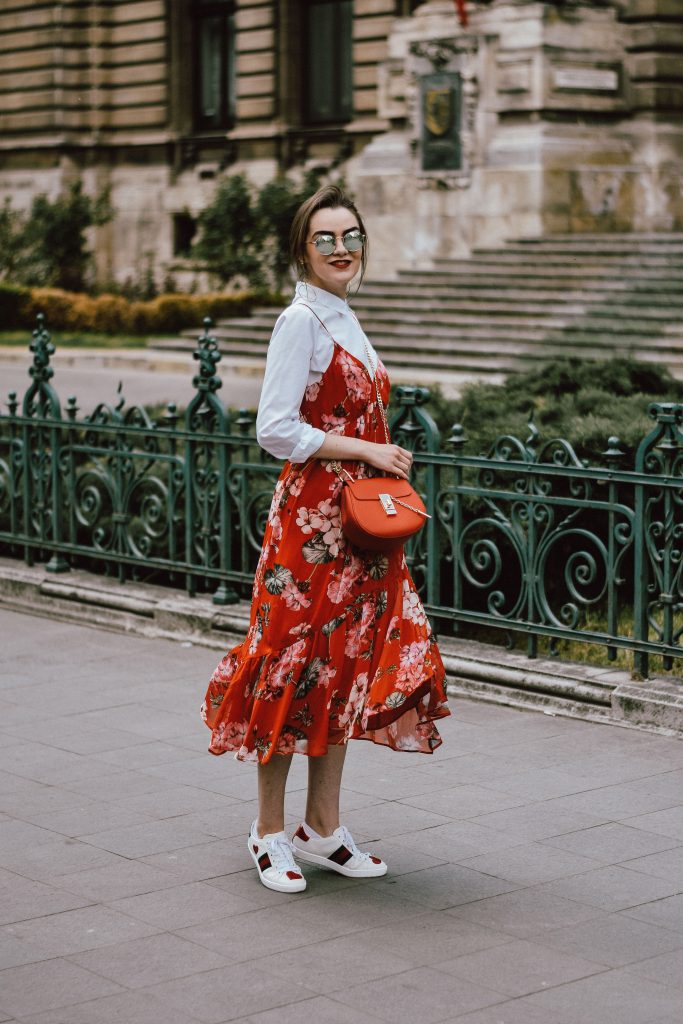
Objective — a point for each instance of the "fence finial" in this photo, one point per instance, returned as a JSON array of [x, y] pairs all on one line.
[[458, 437], [42, 349], [208, 355]]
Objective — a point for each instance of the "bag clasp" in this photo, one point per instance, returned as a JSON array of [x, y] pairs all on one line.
[[388, 504]]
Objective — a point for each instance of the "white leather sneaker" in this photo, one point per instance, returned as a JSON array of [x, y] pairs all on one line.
[[273, 855], [337, 852]]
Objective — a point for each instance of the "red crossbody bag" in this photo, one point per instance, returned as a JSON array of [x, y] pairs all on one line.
[[378, 513]]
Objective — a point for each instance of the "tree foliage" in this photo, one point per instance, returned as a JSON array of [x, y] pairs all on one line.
[[244, 232], [48, 246], [229, 235]]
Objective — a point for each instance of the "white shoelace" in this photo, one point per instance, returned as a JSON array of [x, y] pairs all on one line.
[[282, 855], [347, 840]]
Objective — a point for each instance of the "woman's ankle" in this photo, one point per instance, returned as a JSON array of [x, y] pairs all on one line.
[[268, 828], [323, 826]]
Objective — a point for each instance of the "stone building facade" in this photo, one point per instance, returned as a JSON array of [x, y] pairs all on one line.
[[534, 118]]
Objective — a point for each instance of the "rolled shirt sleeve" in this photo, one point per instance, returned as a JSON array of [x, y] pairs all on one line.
[[279, 428]]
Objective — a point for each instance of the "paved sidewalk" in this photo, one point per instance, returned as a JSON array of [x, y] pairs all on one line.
[[536, 863]]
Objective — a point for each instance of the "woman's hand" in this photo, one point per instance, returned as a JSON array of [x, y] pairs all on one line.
[[389, 458]]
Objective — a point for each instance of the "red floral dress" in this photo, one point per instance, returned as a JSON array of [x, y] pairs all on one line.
[[339, 646]]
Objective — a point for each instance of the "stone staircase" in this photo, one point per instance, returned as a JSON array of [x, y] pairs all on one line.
[[508, 309]]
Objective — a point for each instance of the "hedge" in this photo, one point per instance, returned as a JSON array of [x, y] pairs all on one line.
[[114, 314], [15, 306], [584, 401]]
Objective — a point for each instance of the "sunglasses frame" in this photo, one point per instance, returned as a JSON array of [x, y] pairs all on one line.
[[327, 235]]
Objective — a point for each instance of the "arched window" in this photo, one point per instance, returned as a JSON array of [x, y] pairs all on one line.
[[328, 64]]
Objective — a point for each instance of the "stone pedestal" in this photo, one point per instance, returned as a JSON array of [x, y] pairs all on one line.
[[570, 120]]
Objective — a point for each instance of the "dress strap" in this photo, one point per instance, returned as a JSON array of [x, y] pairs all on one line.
[[336, 464], [322, 323]]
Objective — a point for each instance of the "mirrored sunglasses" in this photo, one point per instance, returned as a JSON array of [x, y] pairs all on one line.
[[325, 243]]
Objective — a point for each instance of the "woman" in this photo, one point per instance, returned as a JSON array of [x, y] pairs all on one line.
[[338, 646]]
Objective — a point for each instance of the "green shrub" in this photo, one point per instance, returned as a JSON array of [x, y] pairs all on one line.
[[114, 314], [111, 314], [11, 240], [229, 233], [61, 309], [244, 232], [584, 402], [47, 247], [276, 205], [173, 313], [15, 306]]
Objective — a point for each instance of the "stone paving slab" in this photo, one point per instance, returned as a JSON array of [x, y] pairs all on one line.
[[536, 862]]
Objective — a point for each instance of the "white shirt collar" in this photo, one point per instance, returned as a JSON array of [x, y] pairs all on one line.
[[319, 297]]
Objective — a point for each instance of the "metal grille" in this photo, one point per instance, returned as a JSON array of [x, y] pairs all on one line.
[[526, 539]]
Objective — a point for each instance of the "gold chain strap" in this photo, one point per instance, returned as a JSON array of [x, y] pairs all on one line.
[[418, 511], [380, 403], [396, 501], [335, 465]]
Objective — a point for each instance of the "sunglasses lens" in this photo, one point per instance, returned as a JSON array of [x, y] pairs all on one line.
[[353, 241], [324, 244]]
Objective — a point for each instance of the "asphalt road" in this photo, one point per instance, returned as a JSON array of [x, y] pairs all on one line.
[[146, 378]]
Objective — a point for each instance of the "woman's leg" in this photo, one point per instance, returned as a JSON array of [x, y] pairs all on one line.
[[324, 785], [336, 853], [272, 779]]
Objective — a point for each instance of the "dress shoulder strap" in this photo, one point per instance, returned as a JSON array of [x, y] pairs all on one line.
[[321, 322], [373, 376]]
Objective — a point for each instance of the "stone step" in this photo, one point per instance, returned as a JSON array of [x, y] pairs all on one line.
[[390, 294], [426, 311], [605, 332], [518, 359], [474, 268], [508, 309], [629, 242], [401, 348], [444, 283], [447, 311], [588, 261], [369, 305], [538, 349], [434, 322]]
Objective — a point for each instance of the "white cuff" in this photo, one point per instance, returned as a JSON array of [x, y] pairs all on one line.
[[308, 444]]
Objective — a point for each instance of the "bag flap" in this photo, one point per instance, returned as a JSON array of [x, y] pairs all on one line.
[[371, 488]]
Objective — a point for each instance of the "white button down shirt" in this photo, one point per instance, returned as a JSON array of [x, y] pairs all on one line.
[[300, 351]]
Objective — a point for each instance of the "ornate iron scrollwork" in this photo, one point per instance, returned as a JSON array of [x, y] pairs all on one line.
[[525, 539]]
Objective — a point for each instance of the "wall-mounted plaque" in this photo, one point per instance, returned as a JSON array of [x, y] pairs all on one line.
[[586, 79], [440, 104]]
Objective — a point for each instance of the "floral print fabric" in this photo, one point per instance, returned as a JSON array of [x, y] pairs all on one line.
[[339, 646]]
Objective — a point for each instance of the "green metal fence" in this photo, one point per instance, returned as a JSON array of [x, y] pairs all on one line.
[[526, 539]]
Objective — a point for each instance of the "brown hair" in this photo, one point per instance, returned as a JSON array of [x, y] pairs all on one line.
[[329, 197]]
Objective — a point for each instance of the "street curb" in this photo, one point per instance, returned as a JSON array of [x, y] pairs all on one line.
[[474, 670]]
